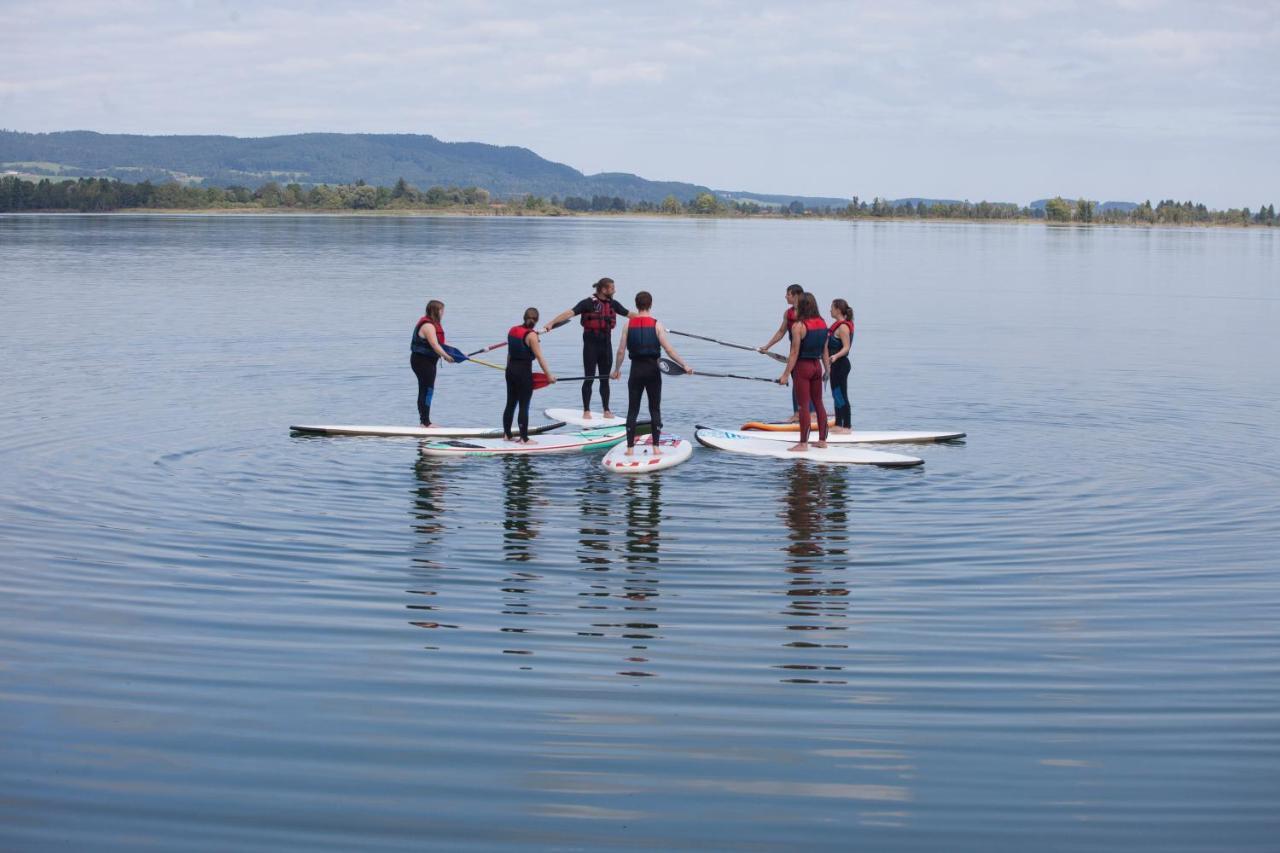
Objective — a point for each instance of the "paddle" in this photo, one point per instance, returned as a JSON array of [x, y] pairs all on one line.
[[459, 356], [540, 380], [773, 355], [492, 347], [670, 368]]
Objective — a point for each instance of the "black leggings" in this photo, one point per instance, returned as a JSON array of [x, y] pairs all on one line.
[[840, 391], [597, 357], [519, 391], [645, 378], [424, 367]]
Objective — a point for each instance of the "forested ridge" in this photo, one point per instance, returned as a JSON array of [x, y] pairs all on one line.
[[103, 195]]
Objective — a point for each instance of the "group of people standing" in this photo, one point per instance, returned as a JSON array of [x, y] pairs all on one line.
[[817, 353]]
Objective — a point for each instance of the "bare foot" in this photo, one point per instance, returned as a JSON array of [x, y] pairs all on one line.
[[794, 419], [841, 430], [512, 439], [631, 451], [798, 448], [820, 444], [586, 415], [608, 415], [656, 451], [428, 426]]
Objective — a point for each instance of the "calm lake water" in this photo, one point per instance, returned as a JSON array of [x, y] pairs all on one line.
[[1060, 634]]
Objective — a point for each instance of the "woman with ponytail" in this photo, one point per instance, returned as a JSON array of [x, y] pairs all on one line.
[[839, 342], [522, 348], [810, 363], [425, 352]]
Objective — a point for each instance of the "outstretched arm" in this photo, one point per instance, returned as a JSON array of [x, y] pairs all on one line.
[[778, 335], [797, 333], [622, 346], [536, 346], [430, 332], [560, 320], [666, 345]]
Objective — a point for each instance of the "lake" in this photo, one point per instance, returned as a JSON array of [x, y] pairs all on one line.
[[1060, 633]]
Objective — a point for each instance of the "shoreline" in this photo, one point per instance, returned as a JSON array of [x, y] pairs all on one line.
[[533, 214]]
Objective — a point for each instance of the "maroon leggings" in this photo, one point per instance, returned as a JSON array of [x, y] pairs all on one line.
[[807, 375]]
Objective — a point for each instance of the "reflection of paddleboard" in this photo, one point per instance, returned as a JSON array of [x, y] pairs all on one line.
[[574, 417], [858, 436], [737, 442], [587, 439], [416, 431], [778, 426], [674, 450]]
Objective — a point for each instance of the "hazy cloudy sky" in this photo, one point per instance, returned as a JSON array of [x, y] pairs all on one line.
[[997, 99]]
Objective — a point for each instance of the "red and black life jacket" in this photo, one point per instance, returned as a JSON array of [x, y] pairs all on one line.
[[815, 338], [790, 316], [833, 343], [602, 320], [419, 344], [642, 337], [517, 349]]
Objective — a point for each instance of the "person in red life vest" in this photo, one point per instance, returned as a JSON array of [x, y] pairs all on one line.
[[643, 339], [794, 291], [599, 313], [522, 348], [839, 342], [810, 362], [424, 355]]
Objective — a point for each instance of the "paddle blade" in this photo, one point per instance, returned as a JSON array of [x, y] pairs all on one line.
[[454, 353], [669, 367]]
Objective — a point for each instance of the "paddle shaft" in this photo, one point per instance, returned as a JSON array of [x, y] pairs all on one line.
[[773, 355], [670, 368], [493, 347]]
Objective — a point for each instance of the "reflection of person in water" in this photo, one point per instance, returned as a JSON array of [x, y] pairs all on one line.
[[816, 515], [640, 583], [595, 497], [519, 522], [429, 502]]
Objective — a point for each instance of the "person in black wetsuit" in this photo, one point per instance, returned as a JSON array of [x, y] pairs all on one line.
[[425, 353], [839, 342], [643, 338], [599, 314], [522, 348]]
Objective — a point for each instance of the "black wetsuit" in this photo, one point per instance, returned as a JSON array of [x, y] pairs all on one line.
[[519, 380], [598, 319], [645, 377], [840, 369], [424, 361]]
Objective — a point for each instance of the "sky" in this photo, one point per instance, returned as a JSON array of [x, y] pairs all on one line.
[[1005, 100]]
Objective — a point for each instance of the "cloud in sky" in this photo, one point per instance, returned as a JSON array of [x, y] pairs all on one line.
[[1002, 99]]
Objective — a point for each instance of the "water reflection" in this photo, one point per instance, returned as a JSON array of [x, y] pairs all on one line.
[[430, 500], [816, 514], [429, 503], [519, 522]]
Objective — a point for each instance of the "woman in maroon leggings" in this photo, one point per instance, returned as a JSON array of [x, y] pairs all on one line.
[[810, 362]]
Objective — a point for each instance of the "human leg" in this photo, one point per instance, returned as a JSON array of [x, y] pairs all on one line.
[[424, 368]]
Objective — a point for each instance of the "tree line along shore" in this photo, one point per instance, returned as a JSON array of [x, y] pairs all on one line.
[[88, 195]]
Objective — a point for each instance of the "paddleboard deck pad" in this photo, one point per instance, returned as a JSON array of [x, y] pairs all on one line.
[[673, 450], [574, 417], [858, 436], [587, 439], [737, 442], [415, 431]]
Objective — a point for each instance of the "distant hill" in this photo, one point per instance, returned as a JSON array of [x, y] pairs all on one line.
[[330, 158]]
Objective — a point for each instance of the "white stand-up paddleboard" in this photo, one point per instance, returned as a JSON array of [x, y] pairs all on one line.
[[673, 450], [587, 439], [858, 436], [574, 417], [415, 431], [737, 442]]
